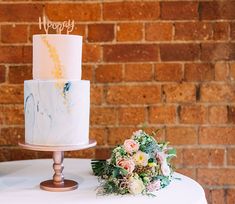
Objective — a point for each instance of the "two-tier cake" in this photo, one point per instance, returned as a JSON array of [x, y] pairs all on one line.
[[57, 101]]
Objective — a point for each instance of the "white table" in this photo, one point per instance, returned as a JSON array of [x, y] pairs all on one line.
[[19, 183]]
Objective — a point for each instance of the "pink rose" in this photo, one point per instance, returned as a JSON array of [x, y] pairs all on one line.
[[126, 164], [161, 156], [131, 146], [165, 169], [154, 186]]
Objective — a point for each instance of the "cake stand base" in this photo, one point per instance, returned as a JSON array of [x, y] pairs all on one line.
[[68, 185], [58, 183]]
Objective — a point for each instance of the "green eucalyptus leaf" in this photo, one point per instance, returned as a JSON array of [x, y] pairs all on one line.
[[171, 152]]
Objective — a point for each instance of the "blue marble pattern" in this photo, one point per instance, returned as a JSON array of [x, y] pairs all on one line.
[[51, 121]]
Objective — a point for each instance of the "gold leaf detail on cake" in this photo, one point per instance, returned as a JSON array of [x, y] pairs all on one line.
[[57, 72]]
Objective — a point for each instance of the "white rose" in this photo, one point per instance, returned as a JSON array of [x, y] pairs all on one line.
[[136, 186], [141, 158], [138, 133]]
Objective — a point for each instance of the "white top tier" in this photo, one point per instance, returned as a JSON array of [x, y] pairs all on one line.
[[57, 56]]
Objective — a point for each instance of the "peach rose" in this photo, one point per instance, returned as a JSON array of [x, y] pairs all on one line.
[[131, 146], [126, 164]]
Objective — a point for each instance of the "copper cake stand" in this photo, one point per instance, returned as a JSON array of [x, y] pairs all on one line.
[[58, 184]]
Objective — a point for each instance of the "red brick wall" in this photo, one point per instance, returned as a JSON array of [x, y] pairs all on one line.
[[165, 64]]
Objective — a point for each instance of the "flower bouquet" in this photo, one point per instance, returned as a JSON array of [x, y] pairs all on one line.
[[140, 165]]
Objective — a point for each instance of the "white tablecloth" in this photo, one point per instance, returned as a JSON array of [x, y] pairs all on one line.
[[19, 183]]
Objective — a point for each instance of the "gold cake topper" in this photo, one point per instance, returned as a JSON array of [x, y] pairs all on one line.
[[46, 24]]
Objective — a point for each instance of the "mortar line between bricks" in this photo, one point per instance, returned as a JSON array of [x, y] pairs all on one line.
[[229, 33], [142, 83], [85, 37], [225, 156], [159, 105], [86, 22], [104, 105], [198, 133], [143, 32], [146, 116], [203, 146], [115, 27], [206, 167], [154, 83], [7, 74], [173, 37], [210, 147], [214, 187], [177, 113], [141, 106], [0, 35], [146, 62], [152, 72], [11, 126], [116, 112], [16, 64], [156, 43], [167, 125], [98, 1], [123, 67], [11, 105], [177, 148], [111, 1], [102, 10]]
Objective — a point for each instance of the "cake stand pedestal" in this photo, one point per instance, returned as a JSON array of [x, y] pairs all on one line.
[[58, 183]]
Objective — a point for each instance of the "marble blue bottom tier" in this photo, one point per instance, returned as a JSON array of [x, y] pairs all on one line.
[[57, 112]]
